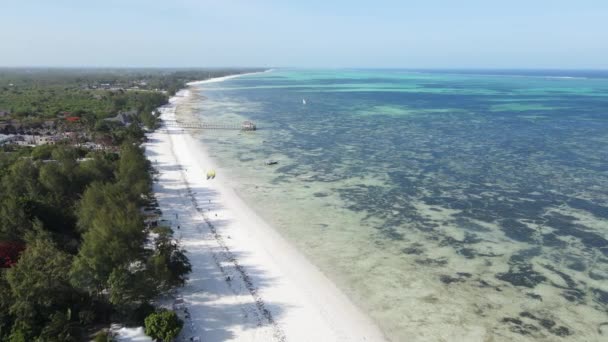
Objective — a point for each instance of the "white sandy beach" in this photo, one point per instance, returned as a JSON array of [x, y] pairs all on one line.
[[247, 283]]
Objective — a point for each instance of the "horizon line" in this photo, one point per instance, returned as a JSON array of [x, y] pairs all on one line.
[[303, 68]]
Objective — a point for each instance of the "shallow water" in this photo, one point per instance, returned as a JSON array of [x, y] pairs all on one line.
[[448, 206]]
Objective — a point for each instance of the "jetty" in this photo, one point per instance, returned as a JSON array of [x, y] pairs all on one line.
[[243, 126]]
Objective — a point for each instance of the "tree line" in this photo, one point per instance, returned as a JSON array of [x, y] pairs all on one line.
[[87, 258], [36, 93]]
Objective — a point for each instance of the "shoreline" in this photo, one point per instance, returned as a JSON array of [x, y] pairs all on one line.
[[248, 282], [223, 78]]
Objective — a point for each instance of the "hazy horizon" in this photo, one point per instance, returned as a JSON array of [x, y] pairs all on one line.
[[301, 68], [343, 34]]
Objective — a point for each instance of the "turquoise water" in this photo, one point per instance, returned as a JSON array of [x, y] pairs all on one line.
[[448, 205]]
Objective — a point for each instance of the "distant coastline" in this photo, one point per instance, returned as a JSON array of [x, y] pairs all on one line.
[[224, 78]]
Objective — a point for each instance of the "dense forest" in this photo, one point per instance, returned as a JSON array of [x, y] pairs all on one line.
[[76, 250]]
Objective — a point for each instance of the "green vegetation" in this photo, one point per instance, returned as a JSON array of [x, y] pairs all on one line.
[[50, 102], [86, 260], [75, 251], [163, 325], [102, 336]]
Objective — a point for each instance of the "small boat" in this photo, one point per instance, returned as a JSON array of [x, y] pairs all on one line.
[[303, 101], [211, 174], [271, 162]]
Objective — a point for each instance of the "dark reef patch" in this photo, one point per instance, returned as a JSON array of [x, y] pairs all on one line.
[[534, 296], [574, 295], [570, 283], [468, 225], [522, 275], [446, 279], [546, 323], [561, 331], [415, 249], [565, 225], [468, 253], [601, 296], [517, 231], [577, 265], [469, 239], [521, 272], [552, 240], [460, 277], [595, 209], [595, 275], [432, 262], [518, 326]]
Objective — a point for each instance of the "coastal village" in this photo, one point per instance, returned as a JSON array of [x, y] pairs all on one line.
[[66, 126], [65, 129]]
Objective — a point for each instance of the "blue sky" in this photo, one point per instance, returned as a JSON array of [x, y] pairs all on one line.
[[311, 33]]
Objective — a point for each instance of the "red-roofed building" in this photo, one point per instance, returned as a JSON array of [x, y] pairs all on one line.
[[72, 119]]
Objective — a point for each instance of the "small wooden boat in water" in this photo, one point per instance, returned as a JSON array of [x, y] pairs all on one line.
[[271, 162]]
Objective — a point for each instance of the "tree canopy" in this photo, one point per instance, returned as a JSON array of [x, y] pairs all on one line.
[[163, 325]]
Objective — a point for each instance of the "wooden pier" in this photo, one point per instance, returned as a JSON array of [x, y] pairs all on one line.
[[243, 126]]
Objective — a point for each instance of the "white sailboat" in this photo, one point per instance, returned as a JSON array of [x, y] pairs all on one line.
[[303, 101]]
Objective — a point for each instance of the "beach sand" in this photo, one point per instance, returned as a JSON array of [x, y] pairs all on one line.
[[247, 282]]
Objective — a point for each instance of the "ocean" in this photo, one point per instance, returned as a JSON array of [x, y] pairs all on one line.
[[470, 202]]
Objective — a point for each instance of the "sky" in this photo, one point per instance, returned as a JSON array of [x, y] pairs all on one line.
[[305, 33]]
